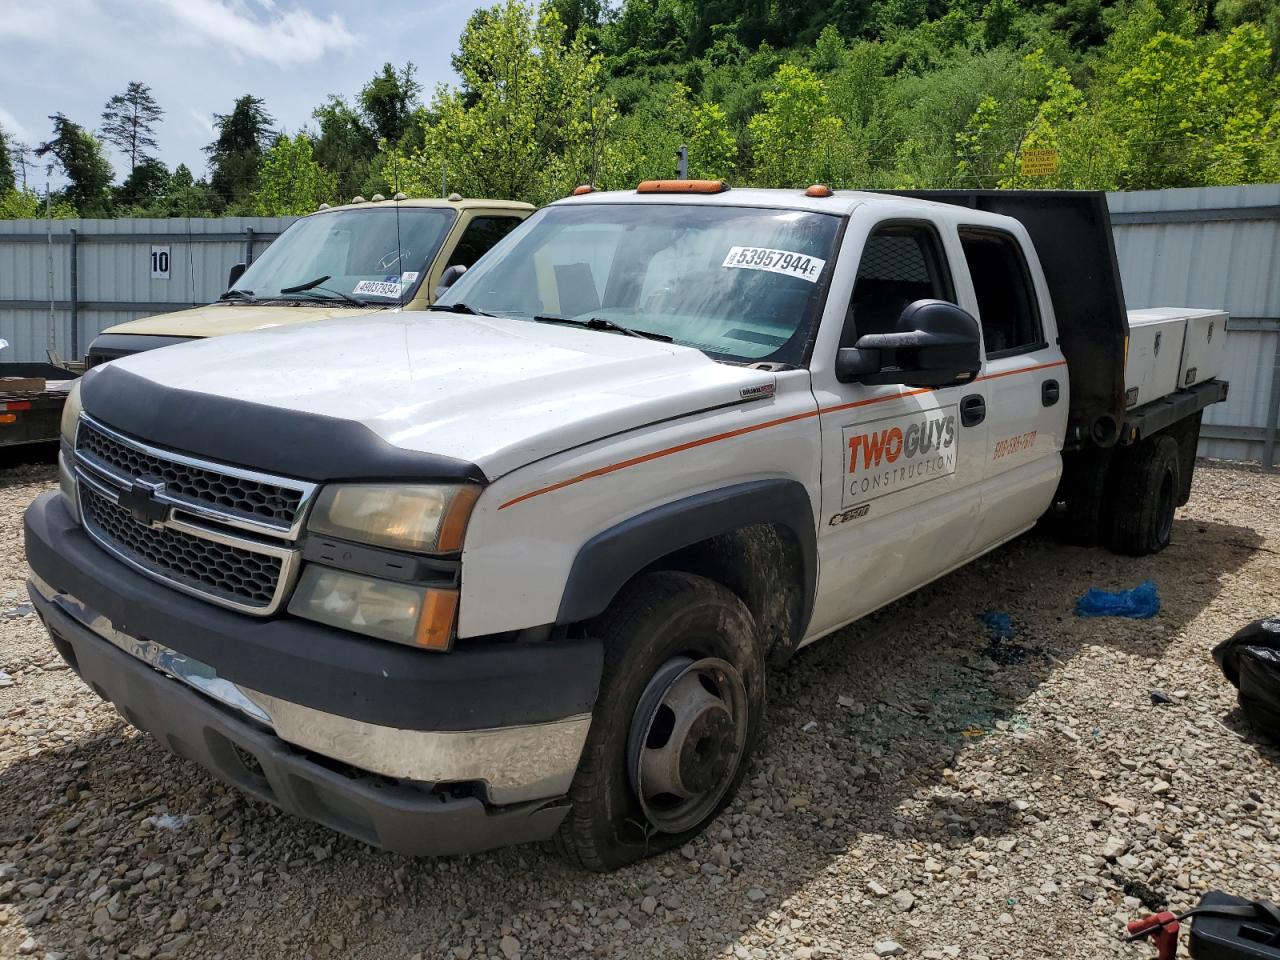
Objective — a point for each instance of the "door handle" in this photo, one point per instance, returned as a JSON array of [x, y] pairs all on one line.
[[973, 410], [1049, 393]]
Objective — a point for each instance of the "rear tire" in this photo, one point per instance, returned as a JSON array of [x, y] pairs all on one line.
[[1146, 485], [658, 633]]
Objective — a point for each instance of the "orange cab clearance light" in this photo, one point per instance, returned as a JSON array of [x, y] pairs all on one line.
[[583, 190], [818, 190], [682, 186]]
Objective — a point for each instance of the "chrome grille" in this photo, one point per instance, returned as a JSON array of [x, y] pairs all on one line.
[[235, 494], [233, 574], [222, 533]]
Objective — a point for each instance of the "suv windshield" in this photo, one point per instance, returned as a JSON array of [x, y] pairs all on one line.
[[361, 252], [739, 283]]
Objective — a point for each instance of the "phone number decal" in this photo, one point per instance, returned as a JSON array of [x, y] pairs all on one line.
[[776, 261]]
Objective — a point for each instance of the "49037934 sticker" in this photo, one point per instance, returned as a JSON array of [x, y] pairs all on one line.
[[896, 453]]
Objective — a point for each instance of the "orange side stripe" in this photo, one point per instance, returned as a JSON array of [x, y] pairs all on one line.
[[730, 434], [645, 458]]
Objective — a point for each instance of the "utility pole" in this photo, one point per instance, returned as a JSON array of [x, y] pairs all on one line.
[[682, 163], [48, 234]]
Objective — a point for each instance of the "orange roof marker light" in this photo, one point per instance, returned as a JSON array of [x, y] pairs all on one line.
[[583, 190], [682, 186], [819, 190]]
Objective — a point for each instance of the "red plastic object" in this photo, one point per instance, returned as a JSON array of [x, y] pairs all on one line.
[[1162, 928]]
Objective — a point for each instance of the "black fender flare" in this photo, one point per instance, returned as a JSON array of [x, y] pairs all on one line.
[[613, 556]]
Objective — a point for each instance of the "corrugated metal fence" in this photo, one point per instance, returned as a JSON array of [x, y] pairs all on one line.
[[1215, 247], [102, 272], [1203, 247]]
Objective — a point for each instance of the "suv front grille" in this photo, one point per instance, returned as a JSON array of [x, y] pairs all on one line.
[[220, 570], [236, 495], [222, 533]]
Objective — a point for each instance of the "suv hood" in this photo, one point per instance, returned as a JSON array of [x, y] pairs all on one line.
[[216, 319], [497, 393]]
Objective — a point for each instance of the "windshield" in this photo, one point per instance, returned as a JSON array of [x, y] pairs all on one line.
[[738, 283], [361, 252]]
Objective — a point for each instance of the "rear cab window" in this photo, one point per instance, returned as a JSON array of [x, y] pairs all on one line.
[[1008, 310]]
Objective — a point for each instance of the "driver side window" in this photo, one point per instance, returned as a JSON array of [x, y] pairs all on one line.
[[901, 263]]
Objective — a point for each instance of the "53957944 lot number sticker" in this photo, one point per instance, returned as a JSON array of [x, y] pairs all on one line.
[[775, 261]]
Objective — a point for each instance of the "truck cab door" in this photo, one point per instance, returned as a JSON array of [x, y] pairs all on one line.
[[1026, 381], [902, 467]]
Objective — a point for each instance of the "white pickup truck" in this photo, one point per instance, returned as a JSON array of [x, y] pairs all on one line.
[[515, 569]]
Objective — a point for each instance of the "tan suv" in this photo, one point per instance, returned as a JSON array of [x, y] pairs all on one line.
[[360, 257]]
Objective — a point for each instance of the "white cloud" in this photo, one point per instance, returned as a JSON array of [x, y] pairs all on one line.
[[10, 125], [283, 37], [20, 20]]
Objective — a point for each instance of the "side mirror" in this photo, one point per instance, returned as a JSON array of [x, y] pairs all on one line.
[[237, 271], [448, 279], [937, 343]]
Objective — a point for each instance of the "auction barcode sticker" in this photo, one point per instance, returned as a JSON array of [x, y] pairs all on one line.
[[776, 261], [379, 288]]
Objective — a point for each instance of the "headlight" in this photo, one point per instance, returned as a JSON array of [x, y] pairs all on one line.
[[71, 414], [401, 612], [417, 518]]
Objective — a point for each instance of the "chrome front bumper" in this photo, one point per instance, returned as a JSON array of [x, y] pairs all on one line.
[[514, 764]]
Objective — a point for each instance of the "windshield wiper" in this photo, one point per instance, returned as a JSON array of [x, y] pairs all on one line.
[[460, 308], [311, 285], [245, 295], [604, 323]]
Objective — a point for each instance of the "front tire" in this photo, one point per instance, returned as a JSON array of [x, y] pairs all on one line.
[[678, 714]]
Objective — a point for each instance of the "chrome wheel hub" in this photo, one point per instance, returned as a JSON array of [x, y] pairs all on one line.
[[687, 740]]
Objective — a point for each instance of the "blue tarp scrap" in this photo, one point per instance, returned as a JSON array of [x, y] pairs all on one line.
[[999, 623], [1140, 603]]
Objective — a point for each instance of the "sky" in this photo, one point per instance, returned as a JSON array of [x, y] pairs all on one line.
[[198, 56]]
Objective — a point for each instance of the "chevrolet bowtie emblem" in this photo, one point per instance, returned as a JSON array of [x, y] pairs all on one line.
[[140, 499]]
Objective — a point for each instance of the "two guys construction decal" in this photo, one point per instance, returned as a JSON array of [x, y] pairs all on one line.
[[897, 453]]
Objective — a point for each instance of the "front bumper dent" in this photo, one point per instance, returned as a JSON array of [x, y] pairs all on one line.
[[403, 818], [439, 783]]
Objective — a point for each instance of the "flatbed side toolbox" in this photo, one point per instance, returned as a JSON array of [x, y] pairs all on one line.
[[1153, 360], [1204, 347]]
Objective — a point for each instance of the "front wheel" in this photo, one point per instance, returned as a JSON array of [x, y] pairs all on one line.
[[679, 710]]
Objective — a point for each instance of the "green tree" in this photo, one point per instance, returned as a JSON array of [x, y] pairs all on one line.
[[291, 182], [1235, 100], [128, 122], [185, 196], [796, 140], [534, 122], [346, 145], [147, 183], [29, 205], [388, 101], [79, 155], [7, 180], [236, 155]]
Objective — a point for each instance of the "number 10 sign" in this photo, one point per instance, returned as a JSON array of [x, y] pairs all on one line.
[[159, 263]]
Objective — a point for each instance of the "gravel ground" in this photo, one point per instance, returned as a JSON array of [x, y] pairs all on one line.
[[922, 783]]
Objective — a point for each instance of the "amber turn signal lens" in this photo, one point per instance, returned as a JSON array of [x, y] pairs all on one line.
[[435, 625]]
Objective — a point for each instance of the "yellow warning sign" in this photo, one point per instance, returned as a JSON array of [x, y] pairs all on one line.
[[1038, 163]]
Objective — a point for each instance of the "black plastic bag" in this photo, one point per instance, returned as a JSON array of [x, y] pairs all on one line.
[[1251, 661]]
